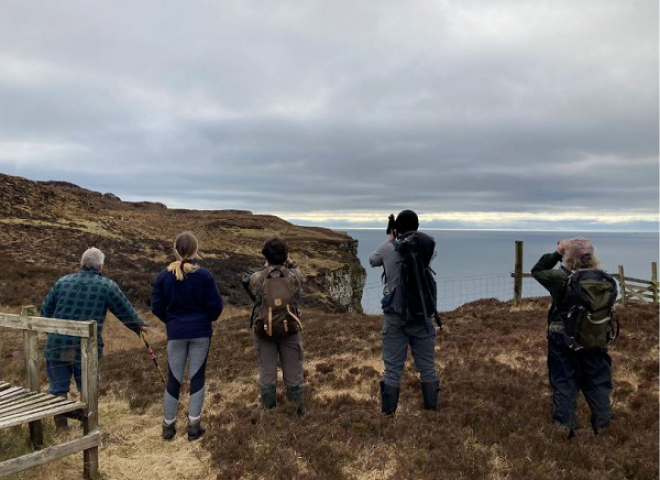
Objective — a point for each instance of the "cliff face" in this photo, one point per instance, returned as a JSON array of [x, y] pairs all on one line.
[[45, 227]]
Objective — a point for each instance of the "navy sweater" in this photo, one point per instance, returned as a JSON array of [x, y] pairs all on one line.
[[187, 308]]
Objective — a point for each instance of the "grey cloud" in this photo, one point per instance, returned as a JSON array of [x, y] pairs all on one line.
[[447, 106]]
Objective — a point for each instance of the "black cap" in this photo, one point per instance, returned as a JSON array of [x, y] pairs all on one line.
[[406, 221]]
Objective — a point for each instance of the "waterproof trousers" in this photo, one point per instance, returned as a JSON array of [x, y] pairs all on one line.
[[397, 336], [570, 372]]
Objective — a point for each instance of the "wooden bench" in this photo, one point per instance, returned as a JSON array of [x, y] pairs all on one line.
[[20, 406]]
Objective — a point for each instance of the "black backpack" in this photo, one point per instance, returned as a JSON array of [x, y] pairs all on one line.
[[421, 291], [590, 322]]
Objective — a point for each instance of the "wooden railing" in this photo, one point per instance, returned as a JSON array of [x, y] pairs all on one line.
[[631, 289], [29, 405], [637, 289]]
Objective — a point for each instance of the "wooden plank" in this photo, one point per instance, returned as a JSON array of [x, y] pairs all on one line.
[[90, 395], [30, 405], [35, 459], [24, 418], [4, 385], [638, 289], [638, 280], [32, 380], [38, 408], [524, 275], [21, 398], [632, 295], [11, 391], [11, 398], [73, 328]]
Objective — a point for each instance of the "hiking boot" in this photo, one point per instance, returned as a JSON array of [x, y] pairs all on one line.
[[430, 394], [195, 430], [169, 430], [61, 422], [294, 394], [268, 396], [390, 398]]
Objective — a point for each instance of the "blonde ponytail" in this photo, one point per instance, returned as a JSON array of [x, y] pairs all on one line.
[[185, 249]]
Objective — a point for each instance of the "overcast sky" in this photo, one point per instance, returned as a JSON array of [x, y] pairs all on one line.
[[477, 114]]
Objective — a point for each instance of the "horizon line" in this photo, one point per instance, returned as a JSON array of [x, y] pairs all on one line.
[[491, 229]]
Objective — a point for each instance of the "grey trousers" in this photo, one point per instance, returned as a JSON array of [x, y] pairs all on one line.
[[289, 351], [397, 336]]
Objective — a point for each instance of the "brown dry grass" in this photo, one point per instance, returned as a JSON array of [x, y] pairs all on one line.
[[493, 421]]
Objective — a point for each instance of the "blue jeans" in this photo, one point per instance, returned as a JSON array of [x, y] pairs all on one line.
[[59, 376], [397, 335]]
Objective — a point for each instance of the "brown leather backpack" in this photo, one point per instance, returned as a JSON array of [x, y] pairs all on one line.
[[279, 310]]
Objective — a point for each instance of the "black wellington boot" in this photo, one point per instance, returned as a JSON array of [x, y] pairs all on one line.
[[195, 430], [390, 398], [430, 394], [169, 431]]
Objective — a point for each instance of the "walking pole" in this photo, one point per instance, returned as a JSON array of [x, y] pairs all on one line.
[[153, 356]]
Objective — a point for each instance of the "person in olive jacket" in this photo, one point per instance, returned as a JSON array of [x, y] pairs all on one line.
[[186, 298], [571, 371]]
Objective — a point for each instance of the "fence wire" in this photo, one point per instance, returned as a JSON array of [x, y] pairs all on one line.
[[452, 293], [456, 291]]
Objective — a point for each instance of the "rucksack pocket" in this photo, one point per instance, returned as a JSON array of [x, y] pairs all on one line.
[[387, 302], [594, 333]]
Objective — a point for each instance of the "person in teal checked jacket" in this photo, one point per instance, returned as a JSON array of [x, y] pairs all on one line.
[[86, 295]]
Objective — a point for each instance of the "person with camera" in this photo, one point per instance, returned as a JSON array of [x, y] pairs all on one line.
[[275, 290], [409, 307]]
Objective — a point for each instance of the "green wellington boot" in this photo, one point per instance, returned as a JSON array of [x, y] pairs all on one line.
[[295, 395], [268, 396]]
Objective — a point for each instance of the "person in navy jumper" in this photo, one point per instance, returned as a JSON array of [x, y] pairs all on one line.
[[186, 298]]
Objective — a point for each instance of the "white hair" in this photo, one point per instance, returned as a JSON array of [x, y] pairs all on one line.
[[92, 258], [580, 253]]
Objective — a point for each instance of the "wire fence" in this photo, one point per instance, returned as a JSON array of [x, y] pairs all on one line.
[[452, 293], [456, 291]]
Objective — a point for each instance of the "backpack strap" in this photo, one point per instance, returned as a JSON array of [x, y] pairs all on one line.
[[294, 316]]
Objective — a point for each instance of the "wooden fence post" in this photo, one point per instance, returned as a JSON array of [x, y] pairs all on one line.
[[90, 391], [654, 279], [622, 284], [32, 377], [518, 273]]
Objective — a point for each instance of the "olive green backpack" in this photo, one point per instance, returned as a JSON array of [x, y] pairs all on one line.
[[590, 322]]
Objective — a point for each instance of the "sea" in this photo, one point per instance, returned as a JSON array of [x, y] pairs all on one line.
[[475, 264]]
